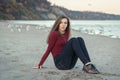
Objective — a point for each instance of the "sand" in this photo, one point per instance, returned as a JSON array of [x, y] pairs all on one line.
[[22, 46]]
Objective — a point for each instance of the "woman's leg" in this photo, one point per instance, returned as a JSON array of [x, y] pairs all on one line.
[[83, 47], [88, 67], [79, 51], [67, 58], [70, 53]]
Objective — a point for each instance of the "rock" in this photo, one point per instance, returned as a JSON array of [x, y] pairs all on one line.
[[57, 11], [51, 16]]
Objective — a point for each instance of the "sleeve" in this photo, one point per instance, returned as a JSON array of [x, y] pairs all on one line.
[[51, 43]]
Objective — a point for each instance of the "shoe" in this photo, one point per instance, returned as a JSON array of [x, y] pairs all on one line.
[[90, 68]]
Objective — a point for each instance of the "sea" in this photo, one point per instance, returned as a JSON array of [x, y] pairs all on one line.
[[110, 28]]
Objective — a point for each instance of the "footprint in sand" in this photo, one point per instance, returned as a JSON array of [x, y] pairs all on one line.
[[7, 53], [14, 60], [0, 50], [18, 76], [53, 73]]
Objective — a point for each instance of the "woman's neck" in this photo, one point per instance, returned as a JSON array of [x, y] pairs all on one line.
[[61, 32]]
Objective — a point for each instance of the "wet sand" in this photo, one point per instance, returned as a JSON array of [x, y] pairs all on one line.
[[22, 46]]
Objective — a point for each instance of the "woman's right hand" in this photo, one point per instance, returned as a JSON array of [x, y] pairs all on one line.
[[37, 67]]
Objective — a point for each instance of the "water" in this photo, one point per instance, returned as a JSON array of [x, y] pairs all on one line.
[[104, 27]]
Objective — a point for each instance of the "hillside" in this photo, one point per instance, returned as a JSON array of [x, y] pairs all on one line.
[[42, 10]]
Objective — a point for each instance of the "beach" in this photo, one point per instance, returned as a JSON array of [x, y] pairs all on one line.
[[22, 46]]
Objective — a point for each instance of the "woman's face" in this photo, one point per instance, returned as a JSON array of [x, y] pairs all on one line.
[[63, 25]]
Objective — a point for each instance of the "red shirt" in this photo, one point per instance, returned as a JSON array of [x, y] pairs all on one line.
[[56, 44]]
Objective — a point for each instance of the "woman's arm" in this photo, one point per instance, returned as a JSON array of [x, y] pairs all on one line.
[[51, 43]]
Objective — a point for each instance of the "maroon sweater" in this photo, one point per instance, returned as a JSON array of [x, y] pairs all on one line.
[[56, 44]]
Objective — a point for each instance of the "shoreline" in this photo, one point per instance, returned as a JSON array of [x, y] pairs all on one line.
[[27, 26]]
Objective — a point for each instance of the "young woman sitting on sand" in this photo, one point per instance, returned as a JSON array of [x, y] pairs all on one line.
[[66, 51]]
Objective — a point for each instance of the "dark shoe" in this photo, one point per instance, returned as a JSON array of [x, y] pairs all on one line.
[[90, 68]]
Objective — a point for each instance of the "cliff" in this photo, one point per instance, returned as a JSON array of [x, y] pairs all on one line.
[[42, 10]]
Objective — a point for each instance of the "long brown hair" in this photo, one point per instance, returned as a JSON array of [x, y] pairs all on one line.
[[56, 26]]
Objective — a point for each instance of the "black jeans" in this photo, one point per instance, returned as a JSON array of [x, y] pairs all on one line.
[[74, 49]]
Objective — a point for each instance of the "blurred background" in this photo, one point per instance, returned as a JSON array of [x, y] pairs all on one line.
[[51, 9]]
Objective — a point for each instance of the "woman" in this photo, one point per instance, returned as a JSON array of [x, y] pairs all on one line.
[[66, 51]]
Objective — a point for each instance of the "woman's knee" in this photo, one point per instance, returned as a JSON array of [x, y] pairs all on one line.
[[80, 38], [73, 39]]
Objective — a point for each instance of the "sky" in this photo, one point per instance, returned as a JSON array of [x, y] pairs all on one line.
[[106, 6]]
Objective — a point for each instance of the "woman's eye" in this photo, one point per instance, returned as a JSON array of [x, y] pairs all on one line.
[[65, 22]]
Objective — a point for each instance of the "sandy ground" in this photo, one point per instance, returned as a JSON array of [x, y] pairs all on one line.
[[22, 46]]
